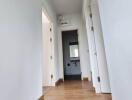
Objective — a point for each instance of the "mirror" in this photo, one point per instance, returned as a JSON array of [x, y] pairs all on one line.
[[74, 51]]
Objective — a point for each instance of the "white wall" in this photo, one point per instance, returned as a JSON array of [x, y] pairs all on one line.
[[20, 50], [47, 6], [116, 18], [76, 23]]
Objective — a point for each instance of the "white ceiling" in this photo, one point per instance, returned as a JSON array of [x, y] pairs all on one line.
[[67, 6]]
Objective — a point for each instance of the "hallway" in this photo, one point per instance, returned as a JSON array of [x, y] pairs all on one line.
[[33, 54], [74, 90]]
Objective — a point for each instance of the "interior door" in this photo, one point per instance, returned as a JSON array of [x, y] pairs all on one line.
[[51, 55], [93, 56], [102, 62], [47, 54]]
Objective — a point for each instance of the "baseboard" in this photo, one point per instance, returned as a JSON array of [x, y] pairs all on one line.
[[107, 93], [41, 98], [59, 82], [85, 79], [73, 77]]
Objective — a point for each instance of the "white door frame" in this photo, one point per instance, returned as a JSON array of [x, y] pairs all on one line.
[[50, 72], [67, 28], [93, 58], [100, 48]]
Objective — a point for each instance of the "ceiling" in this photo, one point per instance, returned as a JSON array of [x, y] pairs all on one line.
[[67, 6]]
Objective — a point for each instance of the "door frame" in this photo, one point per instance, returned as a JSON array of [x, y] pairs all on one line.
[[93, 53], [51, 81], [70, 28]]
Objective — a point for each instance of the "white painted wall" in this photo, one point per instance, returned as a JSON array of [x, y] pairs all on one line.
[[47, 6], [76, 23], [20, 50], [116, 19]]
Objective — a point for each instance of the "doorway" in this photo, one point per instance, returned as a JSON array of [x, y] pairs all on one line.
[[71, 58]]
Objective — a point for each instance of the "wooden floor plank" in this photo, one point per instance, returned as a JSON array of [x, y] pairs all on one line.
[[74, 90]]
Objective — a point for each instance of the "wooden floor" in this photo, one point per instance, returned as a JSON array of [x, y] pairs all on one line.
[[74, 90]]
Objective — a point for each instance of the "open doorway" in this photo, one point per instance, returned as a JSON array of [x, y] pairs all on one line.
[[71, 58]]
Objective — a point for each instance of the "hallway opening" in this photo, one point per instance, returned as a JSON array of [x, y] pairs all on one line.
[[73, 50], [31, 54], [71, 58]]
